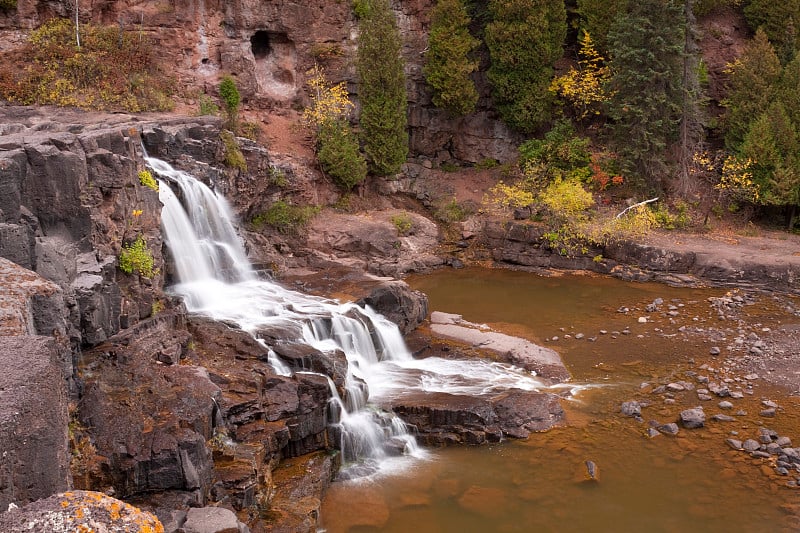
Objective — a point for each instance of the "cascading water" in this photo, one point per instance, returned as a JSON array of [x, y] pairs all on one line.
[[216, 279]]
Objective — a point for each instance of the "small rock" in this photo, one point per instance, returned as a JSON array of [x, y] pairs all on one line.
[[693, 418], [579, 336], [725, 405], [751, 445], [652, 432], [642, 320], [784, 442], [675, 387], [722, 418], [768, 413], [632, 408], [669, 429], [714, 350], [735, 444]]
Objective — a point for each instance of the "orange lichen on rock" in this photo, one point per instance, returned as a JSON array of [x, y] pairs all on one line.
[[83, 512]]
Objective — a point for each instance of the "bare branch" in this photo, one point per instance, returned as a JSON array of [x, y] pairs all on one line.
[[636, 205]]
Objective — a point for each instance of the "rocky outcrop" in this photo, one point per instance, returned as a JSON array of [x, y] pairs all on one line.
[[544, 361], [78, 510], [33, 414], [386, 243], [444, 419], [677, 263]]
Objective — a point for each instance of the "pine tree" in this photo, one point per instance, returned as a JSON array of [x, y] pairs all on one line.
[[381, 89], [597, 17], [646, 47], [449, 61], [525, 39], [773, 146], [788, 91], [780, 21], [752, 85]]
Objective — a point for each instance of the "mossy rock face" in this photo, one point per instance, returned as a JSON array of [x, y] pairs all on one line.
[[79, 511]]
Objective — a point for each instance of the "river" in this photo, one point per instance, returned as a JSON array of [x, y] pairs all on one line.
[[690, 482]]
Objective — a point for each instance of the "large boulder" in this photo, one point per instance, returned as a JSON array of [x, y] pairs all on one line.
[[33, 414]]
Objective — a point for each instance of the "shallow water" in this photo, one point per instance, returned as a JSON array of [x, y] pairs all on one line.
[[692, 482]]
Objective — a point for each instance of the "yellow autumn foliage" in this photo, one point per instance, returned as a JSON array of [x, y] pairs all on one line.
[[584, 87]]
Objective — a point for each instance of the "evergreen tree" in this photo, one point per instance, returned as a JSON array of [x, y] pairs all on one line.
[[780, 20], [525, 39], [647, 47], [773, 146], [752, 85], [449, 62], [789, 91], [381, 89], [597, 18]]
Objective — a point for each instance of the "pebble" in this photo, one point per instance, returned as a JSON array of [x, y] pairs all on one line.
[[669, 429], [652, 432], [693, 418], [631, 408], [579, 336], [642, 320], [751, 445], [725, 405], [722, 418], [735, 444], [784, 442], [768, 413], [603, 331], [714, 350]]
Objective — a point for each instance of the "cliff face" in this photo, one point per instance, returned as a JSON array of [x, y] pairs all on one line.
[[269, 46]]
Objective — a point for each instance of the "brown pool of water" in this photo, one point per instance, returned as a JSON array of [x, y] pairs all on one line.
[[691, 482]]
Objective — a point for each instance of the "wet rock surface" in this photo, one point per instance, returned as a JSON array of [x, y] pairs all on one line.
[[544, 361]]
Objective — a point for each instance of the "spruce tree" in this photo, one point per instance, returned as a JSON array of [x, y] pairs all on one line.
[[597, 17], [381, 89], [780, 20], [449, 61], [789, 91], [752, 86], [525, 39], [647, 47], [773, 146]]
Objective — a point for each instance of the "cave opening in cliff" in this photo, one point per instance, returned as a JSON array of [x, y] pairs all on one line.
[[259, 44], [275, 58]]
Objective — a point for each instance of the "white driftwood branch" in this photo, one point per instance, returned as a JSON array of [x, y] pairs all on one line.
[[637, 205]]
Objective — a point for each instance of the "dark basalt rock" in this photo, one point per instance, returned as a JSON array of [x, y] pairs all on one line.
[[444, 419], [33, 414]]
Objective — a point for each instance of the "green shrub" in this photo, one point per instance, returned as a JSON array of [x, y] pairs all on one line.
[[250, 130], [233, 156], [285, 217], [207, 106], [277, 177], [403, 223], [452, 211], [136, 257], [561, 148], [229, 94], [147, 179], [339, 156]]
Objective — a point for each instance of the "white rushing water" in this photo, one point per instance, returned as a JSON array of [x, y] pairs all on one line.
[[216, 279]]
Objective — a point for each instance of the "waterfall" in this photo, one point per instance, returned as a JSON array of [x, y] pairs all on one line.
[[216, 279]]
